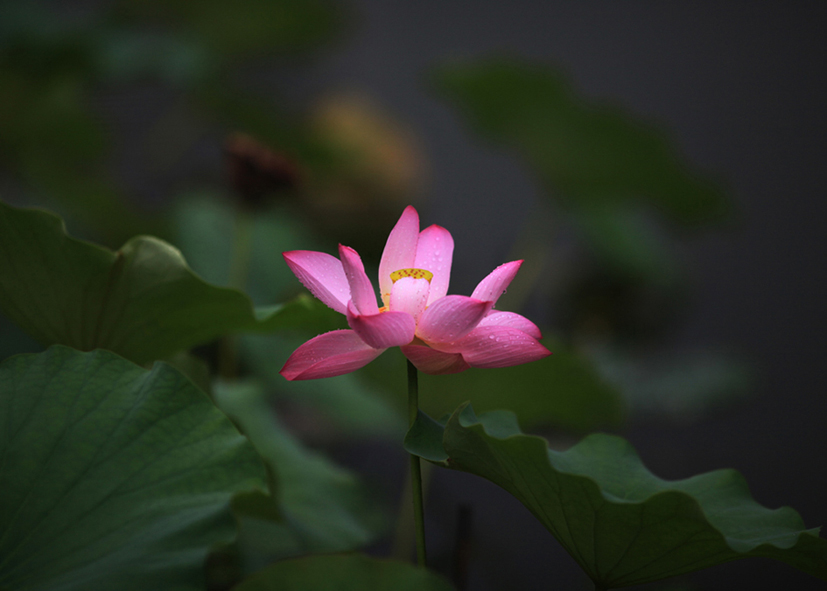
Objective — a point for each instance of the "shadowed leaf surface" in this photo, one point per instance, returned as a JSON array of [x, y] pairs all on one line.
[[354, 572], [586, 154], [142, 302], [622, 524], [112, 476], [319, 506]]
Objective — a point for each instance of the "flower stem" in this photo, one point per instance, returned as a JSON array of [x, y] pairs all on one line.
[[239, 265], [416, 472]]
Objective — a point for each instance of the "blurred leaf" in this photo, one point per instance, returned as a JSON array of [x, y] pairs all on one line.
[[113, 477], [225, 106], [88, 199], [125, 55], [354, 572], [623, 525], [205, 227], [679, 386], [264, 534], [42, 42], [47, 120], [626, 242], [585, 154], [324, 507], [49, 137], [14, 341], [244, 27], [141, 302], [349, 402], [196, 369], [562, 390]]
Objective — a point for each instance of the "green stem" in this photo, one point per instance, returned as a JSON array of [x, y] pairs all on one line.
[[416, 472], [239, 265], [242, 246]]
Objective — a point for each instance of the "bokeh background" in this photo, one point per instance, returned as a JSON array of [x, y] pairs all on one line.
[[709, 322]]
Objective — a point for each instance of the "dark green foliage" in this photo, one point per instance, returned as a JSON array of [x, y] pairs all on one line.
[[622, 524], [112, 476]]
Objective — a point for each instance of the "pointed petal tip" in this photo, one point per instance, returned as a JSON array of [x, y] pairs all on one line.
[[347, 249], [408, 217], [322, 274], [435, 252], [400, 248], [497, 281], [328, 355], [362, 293], [287, 375]]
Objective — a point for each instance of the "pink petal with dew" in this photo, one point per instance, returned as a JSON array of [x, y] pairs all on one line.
[[450, 318], [409, 295], [361, 291], [329, 354], [434, 253], [500, 346], [434, 362], [388, 329], [323, 275], [512, 320], [494, 285], [400, 249]]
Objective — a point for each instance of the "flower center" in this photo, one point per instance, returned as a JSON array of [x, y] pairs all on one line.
[[415, 273]]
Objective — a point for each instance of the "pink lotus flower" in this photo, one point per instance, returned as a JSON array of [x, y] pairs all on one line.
[[439, 333]]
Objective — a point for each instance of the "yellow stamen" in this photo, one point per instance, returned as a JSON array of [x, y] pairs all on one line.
[[415, 273]]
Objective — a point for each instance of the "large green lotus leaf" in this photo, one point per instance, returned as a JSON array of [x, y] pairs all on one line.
[[324, 506], [622, 524], [141, 302], [112, 476], [562, 390], [354, 572], [587, 154]]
